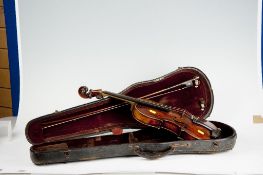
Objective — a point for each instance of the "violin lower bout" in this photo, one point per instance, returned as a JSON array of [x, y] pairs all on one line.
[[183, 128]]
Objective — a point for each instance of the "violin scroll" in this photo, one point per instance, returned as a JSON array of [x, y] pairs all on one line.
[[84, 92]]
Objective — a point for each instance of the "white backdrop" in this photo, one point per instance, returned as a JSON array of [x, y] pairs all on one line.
[[111, 44]]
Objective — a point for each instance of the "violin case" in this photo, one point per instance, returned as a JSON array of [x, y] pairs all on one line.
[[106, 128]]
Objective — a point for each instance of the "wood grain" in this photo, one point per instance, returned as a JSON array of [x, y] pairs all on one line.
[[3, 43], [5, 78], [4, 63], [2, 17], [5, 112], [6, 98]]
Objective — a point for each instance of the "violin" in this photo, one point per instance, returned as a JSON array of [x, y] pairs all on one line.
[[179, 121]]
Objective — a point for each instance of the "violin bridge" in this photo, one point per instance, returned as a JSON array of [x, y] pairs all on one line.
[[194, 118]]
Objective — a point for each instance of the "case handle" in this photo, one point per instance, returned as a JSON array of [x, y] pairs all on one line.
[[149, 154]]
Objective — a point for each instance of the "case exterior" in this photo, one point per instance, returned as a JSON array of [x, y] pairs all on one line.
[[62, 142], [149, 143]]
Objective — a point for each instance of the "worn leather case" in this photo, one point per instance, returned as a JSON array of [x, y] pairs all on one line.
[[78, 133]]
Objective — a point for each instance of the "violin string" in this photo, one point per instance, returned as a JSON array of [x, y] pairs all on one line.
[[63, 121], [183, 111]]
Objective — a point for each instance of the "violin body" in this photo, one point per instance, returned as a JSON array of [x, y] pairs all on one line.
[[179, 121], [198, 101], [169, 121]]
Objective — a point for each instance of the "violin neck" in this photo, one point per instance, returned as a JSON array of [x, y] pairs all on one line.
[[140, 101]]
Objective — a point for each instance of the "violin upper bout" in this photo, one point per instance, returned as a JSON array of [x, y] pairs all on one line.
[[146, 116]]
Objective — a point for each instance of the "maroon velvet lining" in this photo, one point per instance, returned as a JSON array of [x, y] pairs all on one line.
[[148, 135]]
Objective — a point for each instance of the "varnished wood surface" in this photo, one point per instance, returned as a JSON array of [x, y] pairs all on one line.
[[4, 63], [5, 78], [3, 43], [5, 85], [6, 98], [4, 112], [2, 17]]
